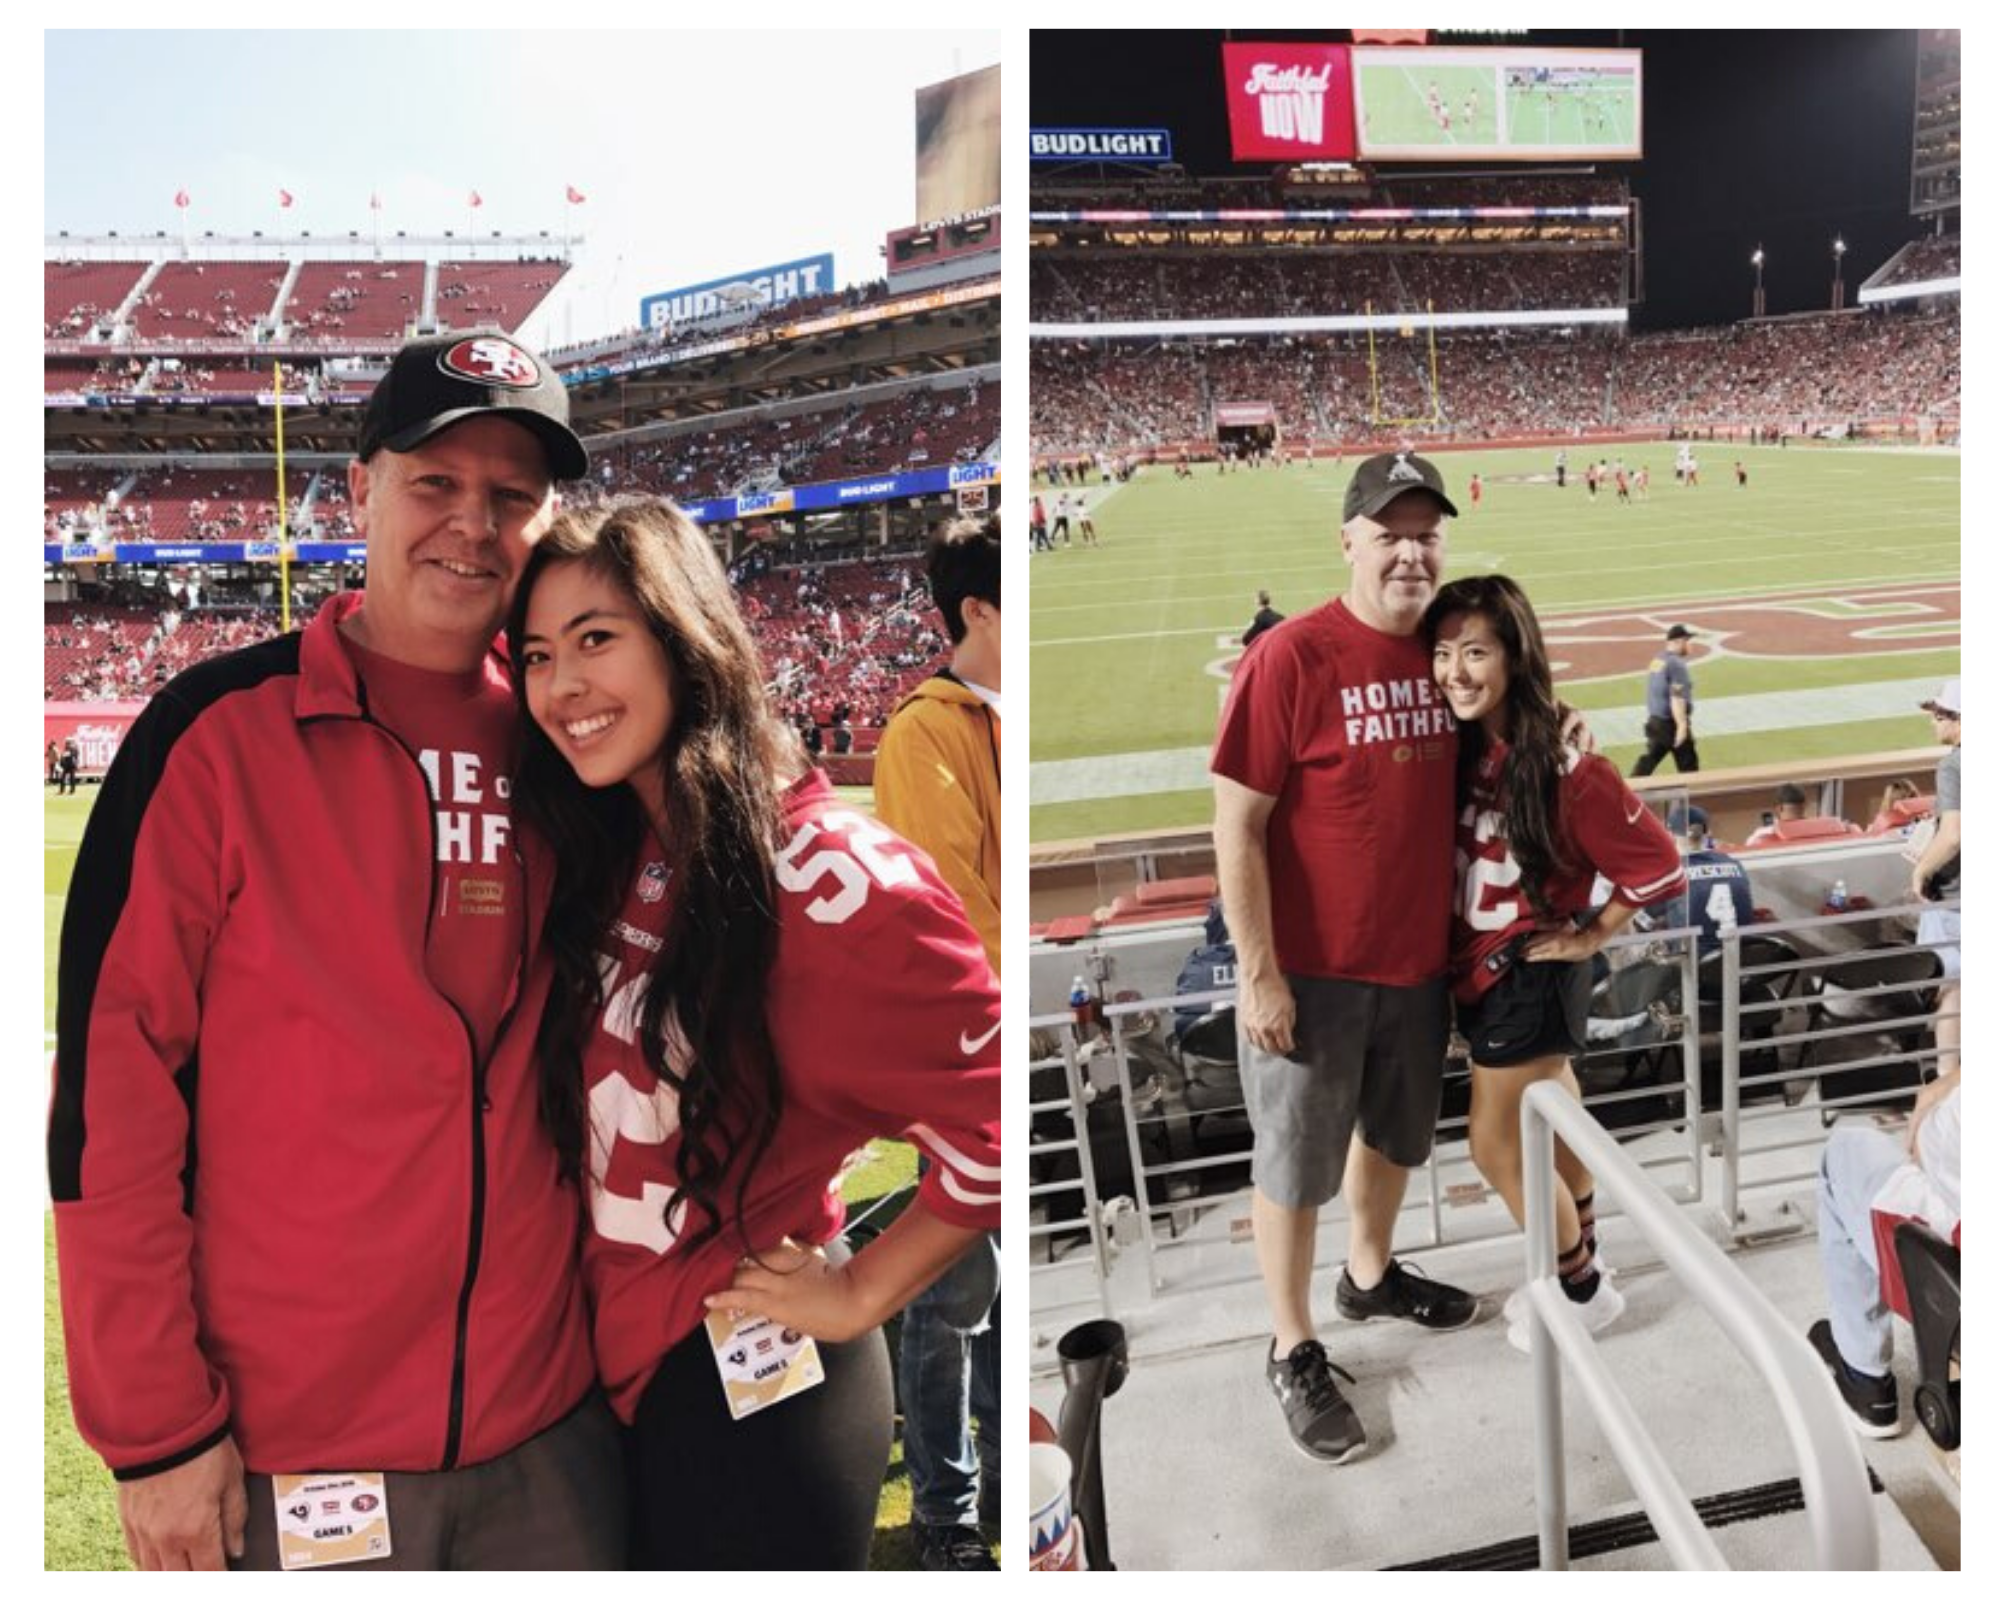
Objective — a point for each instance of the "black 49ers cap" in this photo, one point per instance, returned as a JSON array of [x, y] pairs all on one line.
[[435, 382], [1379, 479]]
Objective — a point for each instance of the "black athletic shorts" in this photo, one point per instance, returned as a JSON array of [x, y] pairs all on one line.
[[1537, 1009]]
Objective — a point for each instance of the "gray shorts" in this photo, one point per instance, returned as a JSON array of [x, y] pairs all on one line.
[[1363, 1053], [554, 1503]]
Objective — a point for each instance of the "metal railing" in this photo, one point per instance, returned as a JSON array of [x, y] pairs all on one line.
[[1090, 1221], [1163, 1211], [1832, 1477], [1813, 1002]]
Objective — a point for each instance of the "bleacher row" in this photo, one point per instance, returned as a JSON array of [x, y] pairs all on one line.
[[181, 502], [841, 643], [1101, 395], [330, 301]]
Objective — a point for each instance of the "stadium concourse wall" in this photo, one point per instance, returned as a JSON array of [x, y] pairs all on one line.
[[99, 727], [1079, 877], [1899, 428]]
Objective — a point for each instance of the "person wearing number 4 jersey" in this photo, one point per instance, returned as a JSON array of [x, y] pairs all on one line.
[[753, 980], [1537, 823]]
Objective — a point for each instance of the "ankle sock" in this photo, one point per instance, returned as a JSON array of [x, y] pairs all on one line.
[[1578, 1270], [1586, 1219]]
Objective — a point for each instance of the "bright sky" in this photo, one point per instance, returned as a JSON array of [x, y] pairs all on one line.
[[700, 155]]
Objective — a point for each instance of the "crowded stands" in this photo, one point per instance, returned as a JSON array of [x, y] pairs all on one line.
[[1799, 374]]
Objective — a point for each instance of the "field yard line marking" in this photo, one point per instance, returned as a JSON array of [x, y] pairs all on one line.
[[1589, 611], [1586, 608], [1198, 564], [1148, 772]]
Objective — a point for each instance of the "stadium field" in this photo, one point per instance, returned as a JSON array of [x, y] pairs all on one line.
[[1826, 594], [80, 1518]]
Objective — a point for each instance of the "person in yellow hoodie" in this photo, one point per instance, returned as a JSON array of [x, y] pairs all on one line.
[[937, 773], [937, 783]]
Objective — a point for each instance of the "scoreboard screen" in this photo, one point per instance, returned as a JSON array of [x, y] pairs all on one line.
[[1496, 105]]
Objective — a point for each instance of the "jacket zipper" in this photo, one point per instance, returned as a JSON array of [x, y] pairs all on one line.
[[455, 1414]]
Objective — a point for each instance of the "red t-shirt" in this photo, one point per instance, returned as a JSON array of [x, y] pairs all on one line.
[[886, 1020], [1343, 725], [1602, 828], [460, 727]]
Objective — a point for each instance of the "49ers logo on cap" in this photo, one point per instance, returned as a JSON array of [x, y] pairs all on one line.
[[498, 362]]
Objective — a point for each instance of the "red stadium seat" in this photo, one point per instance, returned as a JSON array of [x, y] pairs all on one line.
[[1806, 830], [1175, 889]]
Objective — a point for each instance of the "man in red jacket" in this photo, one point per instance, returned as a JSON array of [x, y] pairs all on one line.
[[318, 1270]]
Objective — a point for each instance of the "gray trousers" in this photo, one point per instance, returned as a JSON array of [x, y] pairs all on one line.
[[555, 1503]]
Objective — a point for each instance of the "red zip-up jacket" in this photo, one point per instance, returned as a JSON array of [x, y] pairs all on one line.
[[291, 1203]]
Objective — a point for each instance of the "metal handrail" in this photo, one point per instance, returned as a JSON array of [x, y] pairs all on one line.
[[1735, 1046], [1832, 1476]]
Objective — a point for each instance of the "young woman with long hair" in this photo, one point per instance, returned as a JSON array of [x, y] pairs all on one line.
[[1537, 824], [752, 981]]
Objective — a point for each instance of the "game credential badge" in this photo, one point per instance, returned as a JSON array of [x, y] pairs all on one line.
[[332, 1519]]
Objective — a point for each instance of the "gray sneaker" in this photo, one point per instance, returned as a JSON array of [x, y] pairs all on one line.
[[1322, 1423]]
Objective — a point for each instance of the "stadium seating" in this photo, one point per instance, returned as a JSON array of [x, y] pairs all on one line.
[[496, 293], [336, 300], [1799, 374], [913, 429], [1804, 830], [207, 299], [78, 295]]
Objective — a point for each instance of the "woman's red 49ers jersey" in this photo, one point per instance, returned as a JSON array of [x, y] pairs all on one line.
[[1602, 828], [885, 1016]]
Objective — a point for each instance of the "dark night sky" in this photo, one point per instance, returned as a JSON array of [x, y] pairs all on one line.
[[1781, 137]]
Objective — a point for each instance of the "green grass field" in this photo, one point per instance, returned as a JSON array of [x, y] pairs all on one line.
[[1131, 643], [80, 1520]]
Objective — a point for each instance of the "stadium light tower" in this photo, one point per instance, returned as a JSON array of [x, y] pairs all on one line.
[[1757, 292], [1839, 286]]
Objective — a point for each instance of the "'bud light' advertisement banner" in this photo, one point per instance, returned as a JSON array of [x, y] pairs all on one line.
[[1289, 102], [1138, 146], [751, 291]]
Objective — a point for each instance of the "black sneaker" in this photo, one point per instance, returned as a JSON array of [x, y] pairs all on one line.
[[1871, 1402], [1323, 1424], [1409, 1293], [954, 1547]]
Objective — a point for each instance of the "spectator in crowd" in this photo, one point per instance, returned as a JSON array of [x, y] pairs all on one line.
[[1792, 806], [1863, 1171]]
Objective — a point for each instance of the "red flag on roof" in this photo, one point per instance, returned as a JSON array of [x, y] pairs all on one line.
[[181, 198], [473, 199], [374, 202], [284, 199], [575, 195]]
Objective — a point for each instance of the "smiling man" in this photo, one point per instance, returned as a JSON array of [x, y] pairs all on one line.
[[318, 1273], [1333, 835]]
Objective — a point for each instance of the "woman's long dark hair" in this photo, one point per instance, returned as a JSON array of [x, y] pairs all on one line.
[[1532, 776], [703, 1027]]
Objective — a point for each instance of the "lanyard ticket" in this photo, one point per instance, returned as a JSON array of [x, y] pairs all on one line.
[[760, 1362], [331, 1519]]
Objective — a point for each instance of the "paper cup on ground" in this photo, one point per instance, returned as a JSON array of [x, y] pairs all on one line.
[[1058, 1545]]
